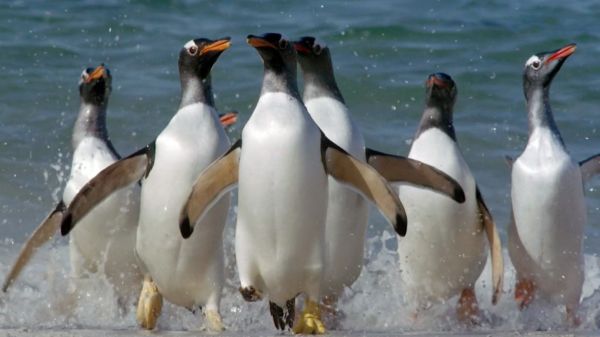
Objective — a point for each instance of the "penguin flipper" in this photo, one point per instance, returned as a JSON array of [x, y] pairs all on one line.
[[495, 246], [366, 180], [118, 175], [401, 169], [42, 234], [217, 179], [590, 167]]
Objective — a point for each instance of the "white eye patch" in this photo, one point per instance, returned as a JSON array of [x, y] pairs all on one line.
[[533, 59], [189, 44]]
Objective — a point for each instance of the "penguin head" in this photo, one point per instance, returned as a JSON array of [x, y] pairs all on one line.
[[276, 51], [313, 54], [95, 85], [197, 56], [541, 68], [441, 91]]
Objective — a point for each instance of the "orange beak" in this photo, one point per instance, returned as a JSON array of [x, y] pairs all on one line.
[[217, 46], [228, 119], [96, 74], [258, 42], [301, 48], [562, 53], [433, 80]]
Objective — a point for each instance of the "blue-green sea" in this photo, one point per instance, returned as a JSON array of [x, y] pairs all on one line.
[[382, 53]]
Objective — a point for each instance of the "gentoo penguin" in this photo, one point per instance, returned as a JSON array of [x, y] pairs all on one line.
[[189, 272], [548, 205], [347, 210], [445, 251], [281, 172], [104, 240]]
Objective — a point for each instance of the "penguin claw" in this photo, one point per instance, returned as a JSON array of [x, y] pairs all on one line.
[[310, 322], [149, 305], [214, 323]]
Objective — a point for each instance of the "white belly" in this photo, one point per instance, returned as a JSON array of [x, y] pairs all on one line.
[[444, 249], [104, 240], [187, 272], [546, 242], [347, 212], [282, 200]]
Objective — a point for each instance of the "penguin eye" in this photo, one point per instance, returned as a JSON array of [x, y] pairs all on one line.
[[192, 50], [283, 44], [536, 64], [317, 49]]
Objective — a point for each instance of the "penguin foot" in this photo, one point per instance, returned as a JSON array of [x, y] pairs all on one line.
[[573, 318], [149, 305], [309, 322], [214, 323], [467, 309], [250, 294], [524, 292]]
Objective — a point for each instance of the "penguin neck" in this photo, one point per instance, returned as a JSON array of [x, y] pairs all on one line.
[[91, 122], [437, 117], [195, 89], [540, 113], [316, 86], [280, 81]]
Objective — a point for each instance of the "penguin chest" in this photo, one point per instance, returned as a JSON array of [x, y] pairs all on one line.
[[191, 141], [106, 235], [548, 208], [282, 198], [444, 249]]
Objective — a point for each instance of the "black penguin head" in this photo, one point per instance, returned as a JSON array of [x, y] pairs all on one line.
[[197, 56], [95, 85], [441, 91], [541, 68], [276, 51], [313, 54]]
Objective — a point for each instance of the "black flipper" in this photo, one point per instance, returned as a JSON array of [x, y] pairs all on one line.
[[401, 169], [116, 176], [217, 179]]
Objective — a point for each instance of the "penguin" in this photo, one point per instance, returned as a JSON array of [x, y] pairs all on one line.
[[347, 212], [280, 166], [445, 251], [104, 241], [548, 206], [187, 273]]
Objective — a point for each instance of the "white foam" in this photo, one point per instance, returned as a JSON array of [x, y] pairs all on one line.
[[42, 298]]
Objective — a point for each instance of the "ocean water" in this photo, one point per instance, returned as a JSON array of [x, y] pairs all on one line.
[[382, 51]]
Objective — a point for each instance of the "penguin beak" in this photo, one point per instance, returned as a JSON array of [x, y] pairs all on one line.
[[228, 119], [217, 46], [435, 81], [259, 42], [96, 74], [301, 48], [562, 53]]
